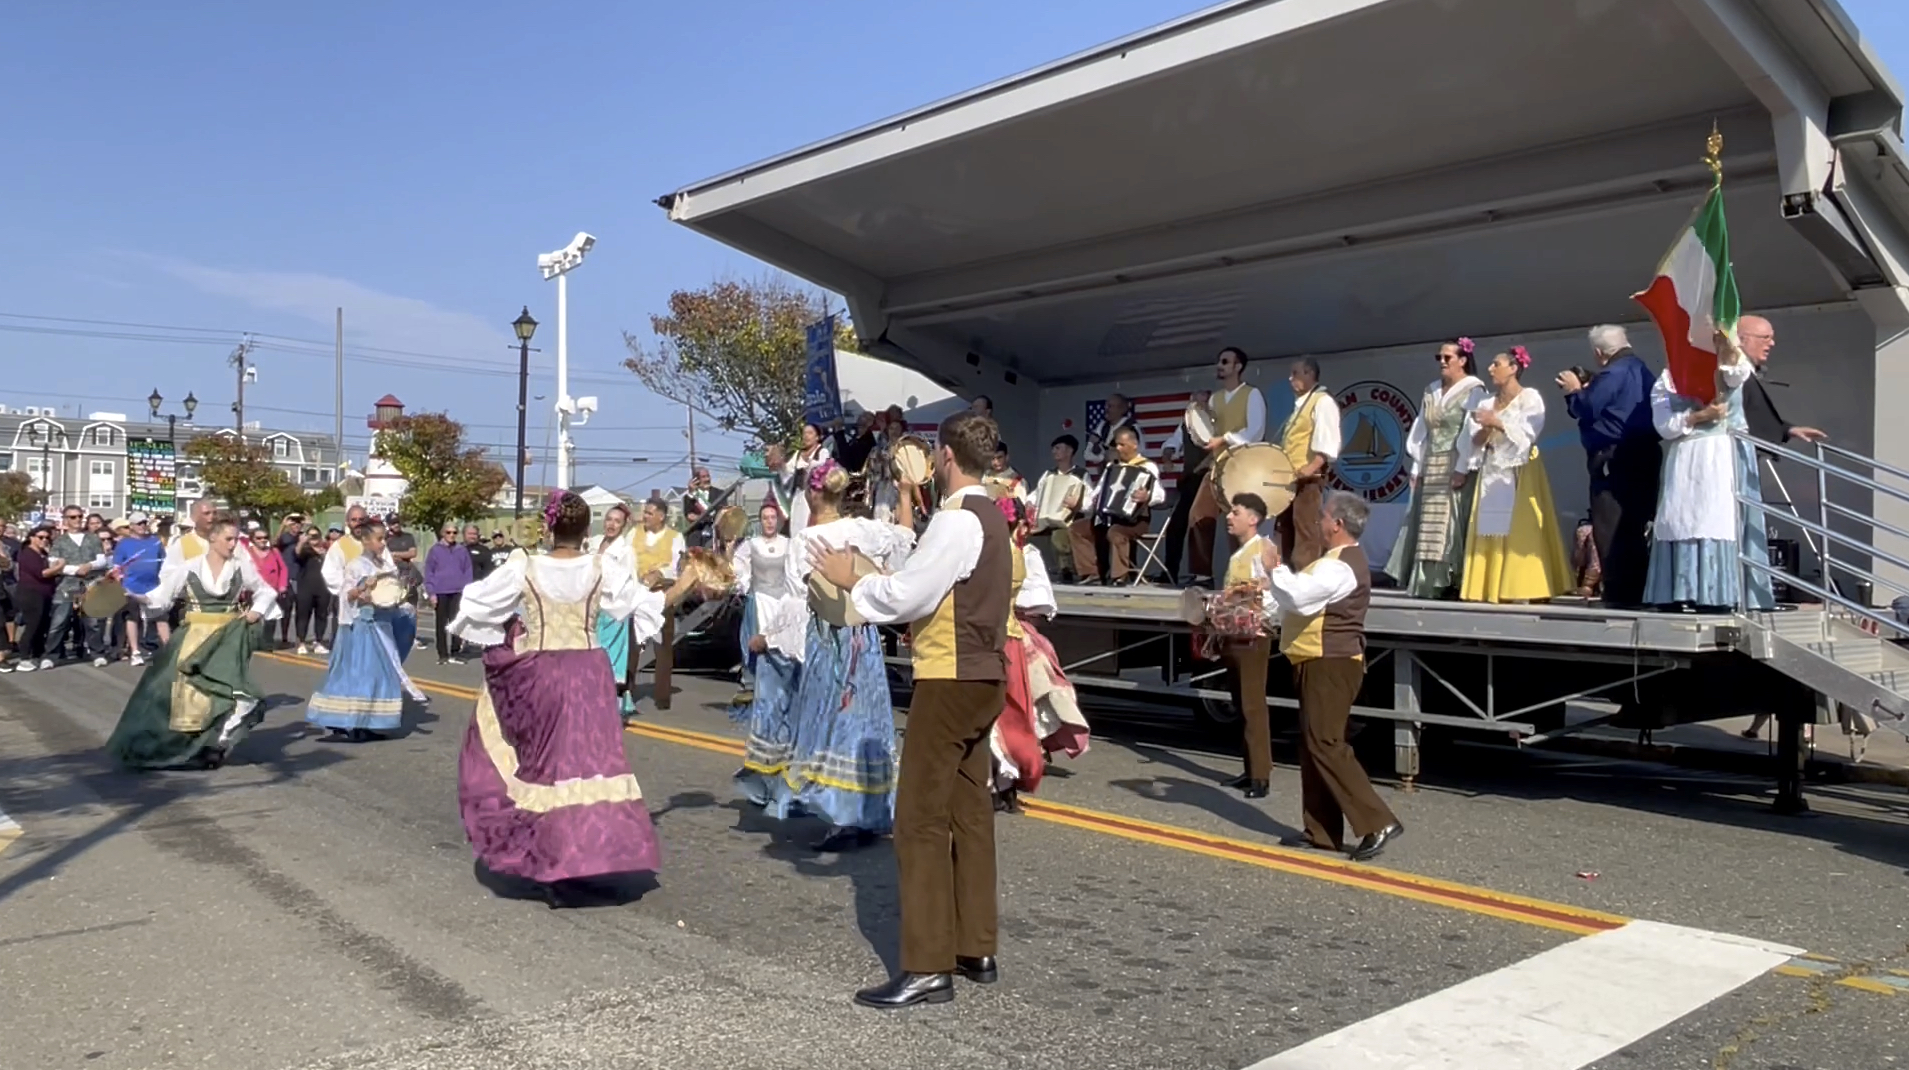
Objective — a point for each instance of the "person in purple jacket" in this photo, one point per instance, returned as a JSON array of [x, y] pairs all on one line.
[[447, 571]]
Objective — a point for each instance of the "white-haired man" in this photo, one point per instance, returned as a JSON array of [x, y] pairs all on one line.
[[1625, 455], [1757, 338]]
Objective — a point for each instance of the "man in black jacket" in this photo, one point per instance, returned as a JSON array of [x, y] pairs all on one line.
[[1757, 338]]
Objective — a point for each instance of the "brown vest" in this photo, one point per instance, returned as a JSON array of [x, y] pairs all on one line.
[[1338, 631], [965, 637], [1345, 619]]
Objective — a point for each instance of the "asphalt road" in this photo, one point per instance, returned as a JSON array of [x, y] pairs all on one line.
[[314, 905]]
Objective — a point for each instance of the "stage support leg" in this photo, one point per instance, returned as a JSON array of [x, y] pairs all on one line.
[[1792, 758], [1405, 734], [665, 661]]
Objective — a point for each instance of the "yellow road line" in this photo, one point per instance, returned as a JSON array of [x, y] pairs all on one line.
[[1468, 898], [1301, 863]]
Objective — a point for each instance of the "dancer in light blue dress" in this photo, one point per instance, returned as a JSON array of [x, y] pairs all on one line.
[[362, 696]]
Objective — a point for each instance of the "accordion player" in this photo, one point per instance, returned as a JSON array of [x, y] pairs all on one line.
[[1120, 512]]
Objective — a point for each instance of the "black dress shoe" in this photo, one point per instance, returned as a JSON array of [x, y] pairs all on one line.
[[1370, 847], [1237, 782], [1305, 844], [981, 970], [1257, 789], [908, 989]]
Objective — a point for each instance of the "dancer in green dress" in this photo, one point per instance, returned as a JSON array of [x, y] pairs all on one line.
[[1431, 547], [196, 701]]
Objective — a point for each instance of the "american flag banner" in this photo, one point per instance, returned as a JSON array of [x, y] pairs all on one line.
[[1157, 416]]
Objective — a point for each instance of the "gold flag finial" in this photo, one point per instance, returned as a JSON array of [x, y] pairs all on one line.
[[1713, 151]]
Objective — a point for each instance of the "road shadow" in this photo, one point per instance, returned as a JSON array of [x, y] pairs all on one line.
[[605, 891], [1736, 799], [871, 873], [1200, 789], [75, 779]]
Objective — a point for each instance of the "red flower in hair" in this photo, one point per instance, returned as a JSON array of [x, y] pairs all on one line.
[[1520, 356]]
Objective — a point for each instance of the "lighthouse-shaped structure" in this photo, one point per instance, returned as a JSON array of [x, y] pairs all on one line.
[[382, 481]]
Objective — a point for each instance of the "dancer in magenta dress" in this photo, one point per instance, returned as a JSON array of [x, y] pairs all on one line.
[[543, 783]]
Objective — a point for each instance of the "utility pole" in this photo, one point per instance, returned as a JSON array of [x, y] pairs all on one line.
[[690, 411], [338, 399], [239, 356]]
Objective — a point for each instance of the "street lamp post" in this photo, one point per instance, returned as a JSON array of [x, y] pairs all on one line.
[[558, 265], [525, 327], [191, 405]]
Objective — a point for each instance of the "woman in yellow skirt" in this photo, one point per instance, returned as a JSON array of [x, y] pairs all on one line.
[[1514, 548]]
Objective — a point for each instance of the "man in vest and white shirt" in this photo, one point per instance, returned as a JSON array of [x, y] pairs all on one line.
[[190, 544], [658, 550], [955, 590], [344, 550], [1321, 614], [1310, 441], [1239, 417]]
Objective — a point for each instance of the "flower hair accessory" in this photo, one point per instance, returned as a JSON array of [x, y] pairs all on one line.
[[1520, 356], [819, 475], [1465, 346], [552, 507]]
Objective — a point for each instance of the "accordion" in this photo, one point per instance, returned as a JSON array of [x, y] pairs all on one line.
[[1234, 615], [1117, 504]]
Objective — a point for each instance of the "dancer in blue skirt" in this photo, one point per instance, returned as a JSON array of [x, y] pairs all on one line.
[[362, 696]]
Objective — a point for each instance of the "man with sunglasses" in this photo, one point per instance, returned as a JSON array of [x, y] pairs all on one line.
[[85, 560]]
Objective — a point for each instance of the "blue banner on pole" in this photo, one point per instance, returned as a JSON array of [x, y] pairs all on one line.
[[821, 396]]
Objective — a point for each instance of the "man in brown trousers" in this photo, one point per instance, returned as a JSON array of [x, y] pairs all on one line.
[[1321, 613], [954, 592]]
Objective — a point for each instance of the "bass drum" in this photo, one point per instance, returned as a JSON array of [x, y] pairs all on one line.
[[1256, 468]]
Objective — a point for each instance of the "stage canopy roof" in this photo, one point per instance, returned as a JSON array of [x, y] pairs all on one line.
[[1318, 176]]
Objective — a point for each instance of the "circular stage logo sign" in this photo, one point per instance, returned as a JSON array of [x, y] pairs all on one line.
[[1374, 419]]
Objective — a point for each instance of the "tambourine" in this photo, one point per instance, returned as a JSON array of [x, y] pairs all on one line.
[[831, 603], [386, 592], [912, 463], [731, 522], [103, 600]]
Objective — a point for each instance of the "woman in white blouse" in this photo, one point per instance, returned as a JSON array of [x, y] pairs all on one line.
[[1514, 548], [544, 786], [793, 475], [195, 718], [830, 750], [761, 567], [1426, 559]]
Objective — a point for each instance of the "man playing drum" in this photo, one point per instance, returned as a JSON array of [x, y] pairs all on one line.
[[1121, 511], [1239, 417], [1310, 440]]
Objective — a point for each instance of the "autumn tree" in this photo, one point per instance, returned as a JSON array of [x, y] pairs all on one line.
[[242, 475], [447, 479], [18, 495], [737, 349]]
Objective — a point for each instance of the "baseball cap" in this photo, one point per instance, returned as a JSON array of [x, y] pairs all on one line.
[[135, 518]]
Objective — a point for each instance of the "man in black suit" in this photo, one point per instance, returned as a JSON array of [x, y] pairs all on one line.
[[1757, 338]]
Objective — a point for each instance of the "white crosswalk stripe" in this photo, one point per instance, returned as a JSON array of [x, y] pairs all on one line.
[[1560, 1010]]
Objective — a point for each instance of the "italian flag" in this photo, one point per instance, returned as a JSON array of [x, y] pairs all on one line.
[[1693, 297]]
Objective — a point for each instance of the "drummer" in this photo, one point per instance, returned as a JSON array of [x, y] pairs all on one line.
[[1122, 507], [1310, 441], [1239, 417]]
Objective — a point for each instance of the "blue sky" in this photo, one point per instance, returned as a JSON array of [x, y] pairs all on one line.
[[231, 168]]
